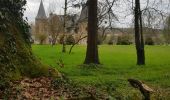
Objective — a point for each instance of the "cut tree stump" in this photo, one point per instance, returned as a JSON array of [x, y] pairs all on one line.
[[144, 89]]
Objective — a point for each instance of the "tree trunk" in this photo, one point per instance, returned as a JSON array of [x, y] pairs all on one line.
[[139, 35], [65, 12], [16, 57], [92, 48]]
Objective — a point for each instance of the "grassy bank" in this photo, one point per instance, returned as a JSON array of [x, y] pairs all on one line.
[[118, 64]]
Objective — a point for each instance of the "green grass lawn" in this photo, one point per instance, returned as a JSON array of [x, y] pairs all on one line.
[[118, 64]]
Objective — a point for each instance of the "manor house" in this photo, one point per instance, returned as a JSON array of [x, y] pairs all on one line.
[[74, 23]]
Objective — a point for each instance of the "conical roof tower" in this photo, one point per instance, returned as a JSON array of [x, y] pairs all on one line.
[[41, 12]]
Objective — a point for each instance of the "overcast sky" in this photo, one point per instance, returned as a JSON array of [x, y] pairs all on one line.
[[33, 6], [121, 11]]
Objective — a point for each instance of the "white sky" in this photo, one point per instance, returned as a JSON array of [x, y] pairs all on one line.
[[33, 6]]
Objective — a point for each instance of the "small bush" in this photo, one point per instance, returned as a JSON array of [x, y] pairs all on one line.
[[149, 41], [124, 40], [41, 38], [110, 41], [70, 40]]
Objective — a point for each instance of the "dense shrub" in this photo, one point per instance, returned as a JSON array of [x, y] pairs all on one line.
[[149, 41], [70, 40], [124, 40], [110, 42]]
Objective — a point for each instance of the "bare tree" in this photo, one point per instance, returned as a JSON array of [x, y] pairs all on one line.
[[150, 15], [139, 34], [105, 17], [138, 25], [67, 4], [55, 28], [64, 25], [41, 37]]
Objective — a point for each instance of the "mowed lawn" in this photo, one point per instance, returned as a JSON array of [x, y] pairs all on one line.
[[118, 64]]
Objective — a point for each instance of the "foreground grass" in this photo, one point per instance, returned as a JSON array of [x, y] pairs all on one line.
[[118, 64]]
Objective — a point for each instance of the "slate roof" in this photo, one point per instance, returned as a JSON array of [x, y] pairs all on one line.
[[41, 12]]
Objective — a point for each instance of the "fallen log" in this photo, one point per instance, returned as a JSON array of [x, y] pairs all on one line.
[[144, 89]]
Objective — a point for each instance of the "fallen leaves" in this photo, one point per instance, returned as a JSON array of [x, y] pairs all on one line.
[[41, 88], [45, 88]]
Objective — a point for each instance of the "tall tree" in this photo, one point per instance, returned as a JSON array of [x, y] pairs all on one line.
[[92, 48], [139, 34], [64, 25]]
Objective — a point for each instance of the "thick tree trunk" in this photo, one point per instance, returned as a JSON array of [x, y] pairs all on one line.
[[16, 57], [16, 54], [92, 48], [141, 37], [138, 35]]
